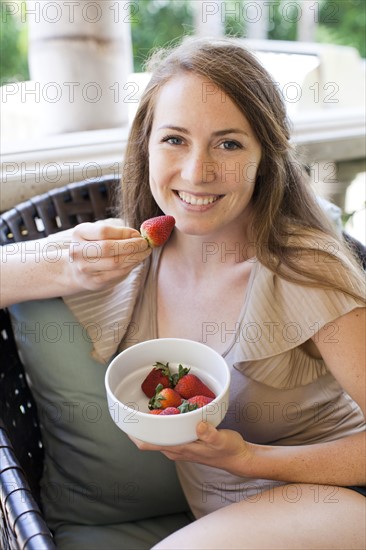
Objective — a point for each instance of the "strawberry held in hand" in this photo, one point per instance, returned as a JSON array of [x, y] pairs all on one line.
[[157, 230]]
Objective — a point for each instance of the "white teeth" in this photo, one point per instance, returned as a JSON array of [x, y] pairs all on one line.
[[191, 199]]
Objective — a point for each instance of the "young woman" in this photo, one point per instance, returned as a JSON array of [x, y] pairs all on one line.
[[253, 269]]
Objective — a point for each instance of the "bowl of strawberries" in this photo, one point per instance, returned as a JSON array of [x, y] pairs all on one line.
[[159, 390]]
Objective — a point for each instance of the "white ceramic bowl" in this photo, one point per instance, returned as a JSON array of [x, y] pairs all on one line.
[[128, 405]]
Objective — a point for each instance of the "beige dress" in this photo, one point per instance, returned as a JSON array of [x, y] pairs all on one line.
[[279, 394]]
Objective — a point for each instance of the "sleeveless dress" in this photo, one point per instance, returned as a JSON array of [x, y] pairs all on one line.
[[279, 395]]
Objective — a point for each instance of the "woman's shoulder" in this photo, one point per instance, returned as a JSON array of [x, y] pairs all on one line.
[[310, 257], [298, 311]]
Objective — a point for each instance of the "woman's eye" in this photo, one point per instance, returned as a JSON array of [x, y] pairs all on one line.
[[173, 140], [230, 145]]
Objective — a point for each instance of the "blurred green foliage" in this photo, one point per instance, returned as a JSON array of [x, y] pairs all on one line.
[[159, 23], [13, 47], [343, 22], [282, 20]]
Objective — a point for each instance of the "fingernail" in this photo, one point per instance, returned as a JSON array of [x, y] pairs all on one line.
[[202, 427]]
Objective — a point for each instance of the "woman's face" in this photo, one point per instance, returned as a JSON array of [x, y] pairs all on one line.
[[203, 157]]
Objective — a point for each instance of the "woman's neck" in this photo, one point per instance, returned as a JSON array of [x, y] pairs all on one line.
[[209, 253]]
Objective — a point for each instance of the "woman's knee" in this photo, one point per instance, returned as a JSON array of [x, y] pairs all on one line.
[[293, 516]]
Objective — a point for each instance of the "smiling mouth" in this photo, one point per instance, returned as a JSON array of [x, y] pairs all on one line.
[[197, 201]]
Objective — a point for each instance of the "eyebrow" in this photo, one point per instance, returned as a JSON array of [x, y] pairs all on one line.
[[217, 133]]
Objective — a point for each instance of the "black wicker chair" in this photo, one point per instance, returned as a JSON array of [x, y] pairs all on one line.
[[21, 452]]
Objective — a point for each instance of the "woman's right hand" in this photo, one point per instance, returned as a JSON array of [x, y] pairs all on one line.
[[91, 256], [103, 253]]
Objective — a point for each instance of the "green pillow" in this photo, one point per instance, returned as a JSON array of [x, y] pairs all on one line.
[[94, 475], [136, 535]]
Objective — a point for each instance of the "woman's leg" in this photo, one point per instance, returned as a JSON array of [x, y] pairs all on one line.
[[296, 516]]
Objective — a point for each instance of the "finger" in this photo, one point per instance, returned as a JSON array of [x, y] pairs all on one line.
[[127, 248], [92, 251], [165, 449], [98, 232], [93, 259], [119, 249], [143, 446], [207, 433]]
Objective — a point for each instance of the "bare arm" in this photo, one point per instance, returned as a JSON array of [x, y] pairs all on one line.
[[339, 462], [89, 257], [336, 462]]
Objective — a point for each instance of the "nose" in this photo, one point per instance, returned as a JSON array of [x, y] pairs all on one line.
[[198, 167]]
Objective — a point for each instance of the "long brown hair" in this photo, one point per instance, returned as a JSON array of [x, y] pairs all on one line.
[[293, 236]]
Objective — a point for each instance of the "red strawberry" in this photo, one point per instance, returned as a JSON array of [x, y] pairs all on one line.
[[199, 400], [190, 385], [156, 411], [164, 398], [157, 230], [182, 371], [158, 375], [168, 410]]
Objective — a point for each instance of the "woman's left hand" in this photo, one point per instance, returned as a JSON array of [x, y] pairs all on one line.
[[224, 449]]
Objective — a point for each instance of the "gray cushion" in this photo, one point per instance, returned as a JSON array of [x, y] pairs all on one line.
[[139, 535], [94, 475]]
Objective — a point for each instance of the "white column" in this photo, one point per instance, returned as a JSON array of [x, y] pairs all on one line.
[[308, 18], [209, 18], [332, 179], [80, 57], [256, 15]]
